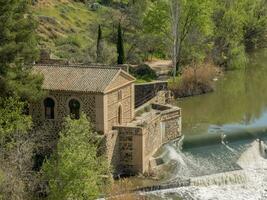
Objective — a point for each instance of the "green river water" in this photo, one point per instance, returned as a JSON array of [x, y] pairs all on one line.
[[239, 103]]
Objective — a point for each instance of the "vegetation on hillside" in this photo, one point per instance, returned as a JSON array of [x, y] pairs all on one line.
[[190, 32], [143, 73]]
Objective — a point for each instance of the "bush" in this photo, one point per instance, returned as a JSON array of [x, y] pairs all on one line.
[[143, 72], [70, 40], [75, 170], [195, 80]]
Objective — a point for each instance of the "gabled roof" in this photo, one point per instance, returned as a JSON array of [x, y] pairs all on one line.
[[79, 78]]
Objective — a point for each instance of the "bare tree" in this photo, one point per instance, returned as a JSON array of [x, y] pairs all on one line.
[[175, 16]]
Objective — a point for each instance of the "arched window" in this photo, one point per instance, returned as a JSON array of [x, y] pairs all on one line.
[[49, 105], [74, 106], [119, 115]]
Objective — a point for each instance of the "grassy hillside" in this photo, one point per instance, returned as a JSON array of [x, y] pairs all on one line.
[[69, 29]]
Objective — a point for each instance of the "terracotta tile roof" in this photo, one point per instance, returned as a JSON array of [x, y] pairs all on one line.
[[80, 78]]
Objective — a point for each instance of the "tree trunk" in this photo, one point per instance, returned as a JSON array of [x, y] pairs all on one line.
[[175, 34]]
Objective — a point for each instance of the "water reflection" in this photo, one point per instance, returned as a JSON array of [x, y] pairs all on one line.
[[239, 102]]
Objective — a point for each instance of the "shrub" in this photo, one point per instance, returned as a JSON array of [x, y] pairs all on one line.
[[143, 72], [195, 80], [70, 40], [75, 170]]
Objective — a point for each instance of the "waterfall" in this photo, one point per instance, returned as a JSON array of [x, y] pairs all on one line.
[[227, 178], [247, 183], [174, 155], [185, 166], [253, 157]]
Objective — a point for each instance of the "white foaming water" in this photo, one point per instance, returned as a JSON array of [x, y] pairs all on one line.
[[249, 183], [174, 155], [252, 158], [234, 177], [223, 137], [184, 164]]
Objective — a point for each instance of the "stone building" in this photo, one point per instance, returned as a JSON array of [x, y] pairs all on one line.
[[106, 95]]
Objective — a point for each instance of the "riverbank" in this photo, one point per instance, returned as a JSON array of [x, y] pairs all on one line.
[[195, 80]]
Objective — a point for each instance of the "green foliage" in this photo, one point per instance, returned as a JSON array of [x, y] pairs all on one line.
[[222, 30], [24, 84], [106, 2], [73, 40], [12, 119], [195, 27], [255, 28], [120, 46], [75, 171], [17, 41], [17, 50], [219, 30], [143, 72], [229, 49], [99, 46]]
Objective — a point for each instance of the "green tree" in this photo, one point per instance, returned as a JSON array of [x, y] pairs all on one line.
[[16, 147], [75, 171], [255, 27], [188, 30], [99, 46], [17, 50], [17, 84], [120, 46], [12, 118], [229, 49]]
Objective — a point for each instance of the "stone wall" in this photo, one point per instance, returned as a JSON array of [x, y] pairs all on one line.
[[125, 101], [61, 99], [152, 139], [130, 149], [171, 121], [110, 145], [138, 143]]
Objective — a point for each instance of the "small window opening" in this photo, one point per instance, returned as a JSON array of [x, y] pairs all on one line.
[[74, 106], [49, 108]]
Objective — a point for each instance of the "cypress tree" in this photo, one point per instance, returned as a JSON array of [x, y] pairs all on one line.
[[99, 46], [120, 47]]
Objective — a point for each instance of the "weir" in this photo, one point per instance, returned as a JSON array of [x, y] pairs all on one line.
[[251, 159], [227, 178]]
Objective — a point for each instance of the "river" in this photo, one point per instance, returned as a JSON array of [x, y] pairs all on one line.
[[225, 136]]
